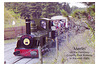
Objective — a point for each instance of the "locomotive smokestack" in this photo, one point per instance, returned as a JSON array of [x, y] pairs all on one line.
[[28, 30]]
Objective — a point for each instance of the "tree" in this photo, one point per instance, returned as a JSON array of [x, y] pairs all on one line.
[[88, 3], [73, 8], [66, 7], [36, 9]]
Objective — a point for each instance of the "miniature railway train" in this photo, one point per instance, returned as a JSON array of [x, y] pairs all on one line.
[[38, 33]]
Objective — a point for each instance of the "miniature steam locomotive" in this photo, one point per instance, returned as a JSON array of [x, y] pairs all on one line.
[[38, 33]]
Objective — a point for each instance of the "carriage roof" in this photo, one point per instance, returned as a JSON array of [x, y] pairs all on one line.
[[58, 17]]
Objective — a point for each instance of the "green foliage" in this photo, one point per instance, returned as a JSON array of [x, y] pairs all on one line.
[[55, 61], [66, 7], [84, 13], [9, 41], [73, 8], [91, 10], [93, 32], [64, 13], [79, 14], [16, 16], [75, 13], [9, 17], [37, 9]]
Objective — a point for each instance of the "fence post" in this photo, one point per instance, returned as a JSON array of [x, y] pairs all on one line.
[[57, 47], [40, 54], [67, 36]]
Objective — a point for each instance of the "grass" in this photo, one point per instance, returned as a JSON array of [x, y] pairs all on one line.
[[18, 22], [9, 41]]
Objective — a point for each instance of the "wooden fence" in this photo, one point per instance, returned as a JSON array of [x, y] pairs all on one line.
[[13, 32]]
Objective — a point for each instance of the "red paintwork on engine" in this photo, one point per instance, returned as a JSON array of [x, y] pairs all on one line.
[[26, 36], [26, 52]]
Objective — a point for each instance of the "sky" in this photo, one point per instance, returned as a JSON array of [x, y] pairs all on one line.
[[78, 4]]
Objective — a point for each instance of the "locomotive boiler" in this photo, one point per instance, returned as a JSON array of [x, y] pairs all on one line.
[[38, 33]]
